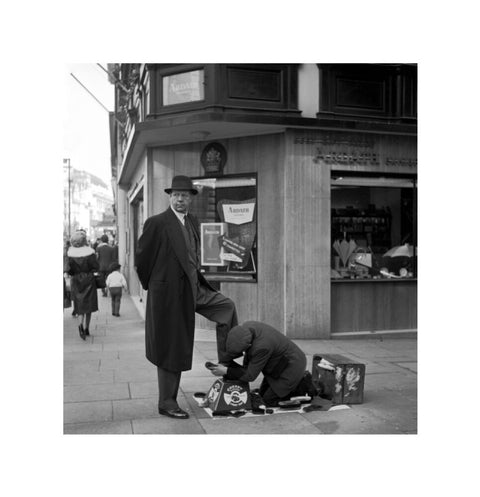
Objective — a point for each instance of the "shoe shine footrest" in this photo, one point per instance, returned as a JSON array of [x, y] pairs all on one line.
[[229, 395]]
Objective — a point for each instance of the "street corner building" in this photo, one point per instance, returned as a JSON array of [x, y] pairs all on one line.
[[307, 181]]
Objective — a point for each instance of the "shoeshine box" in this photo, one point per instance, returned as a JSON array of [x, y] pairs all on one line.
[[338, 378], [229, 395]]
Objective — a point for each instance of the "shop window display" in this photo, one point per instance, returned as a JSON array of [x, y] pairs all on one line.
[[373, 228], [226, 208]]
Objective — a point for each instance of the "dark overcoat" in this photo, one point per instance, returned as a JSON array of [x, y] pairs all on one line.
[[280, 360], [162, 266], [82, 263], [106, 255]]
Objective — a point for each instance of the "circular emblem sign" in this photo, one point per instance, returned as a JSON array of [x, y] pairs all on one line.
[[213, 158]]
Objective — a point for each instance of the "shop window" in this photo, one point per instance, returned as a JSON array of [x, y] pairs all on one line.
[[226, 208], [137, 218], [373, 228]]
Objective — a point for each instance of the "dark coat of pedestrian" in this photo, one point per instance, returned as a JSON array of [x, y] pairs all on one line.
[[167, 263], [106, 255], [82, 264]]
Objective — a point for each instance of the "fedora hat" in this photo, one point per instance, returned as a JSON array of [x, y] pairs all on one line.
[[181, 183]]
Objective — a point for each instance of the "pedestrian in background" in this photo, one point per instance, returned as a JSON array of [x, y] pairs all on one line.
[[82, 263], [67, 294], [168, 266], [105, 256], [115, 282]]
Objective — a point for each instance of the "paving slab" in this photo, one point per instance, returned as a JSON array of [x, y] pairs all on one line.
[[83, 356], [100, 428], [120, 338], [83, 346], [124, 346], [132, 354], [349, 421], [285, 423], [116, 363], [86, 365], [142, 389], [146, 373], [163, 425], [134, 408], [85, 377], [410, 365], [396, 380], [80, 412], [78, 393]]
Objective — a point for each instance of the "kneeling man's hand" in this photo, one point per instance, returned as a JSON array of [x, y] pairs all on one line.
[[219, 370]]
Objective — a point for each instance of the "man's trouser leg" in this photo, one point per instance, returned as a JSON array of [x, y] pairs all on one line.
[[168, 384], [220, 309], [104, 290]]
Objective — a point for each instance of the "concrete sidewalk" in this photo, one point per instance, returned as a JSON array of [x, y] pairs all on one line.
[[110, 387]]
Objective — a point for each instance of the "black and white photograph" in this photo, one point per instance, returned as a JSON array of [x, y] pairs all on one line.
[[314, 177], [268, 218]]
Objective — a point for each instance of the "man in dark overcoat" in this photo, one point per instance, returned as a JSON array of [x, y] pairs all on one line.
[[270, 352], [105, 256], [167, 263]]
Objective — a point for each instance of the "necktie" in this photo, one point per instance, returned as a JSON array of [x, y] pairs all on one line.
[[192, 238]]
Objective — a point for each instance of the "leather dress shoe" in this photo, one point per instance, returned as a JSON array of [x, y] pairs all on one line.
[[176, 413]]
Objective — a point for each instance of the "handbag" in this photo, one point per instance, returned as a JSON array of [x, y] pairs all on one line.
[[362, 256], [100, 280]]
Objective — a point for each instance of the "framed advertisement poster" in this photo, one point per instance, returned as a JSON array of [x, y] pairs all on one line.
[[226, 207], [212, 252]]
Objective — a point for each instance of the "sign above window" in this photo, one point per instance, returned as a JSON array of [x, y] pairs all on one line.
[[183, 87]]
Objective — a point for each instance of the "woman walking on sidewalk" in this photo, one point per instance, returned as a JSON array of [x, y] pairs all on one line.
[[82, 263]]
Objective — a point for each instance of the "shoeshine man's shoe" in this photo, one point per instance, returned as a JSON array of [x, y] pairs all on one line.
[[176, 413]]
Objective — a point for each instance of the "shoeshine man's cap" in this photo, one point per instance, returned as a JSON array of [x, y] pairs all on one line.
[[239, 338], [182, 183]]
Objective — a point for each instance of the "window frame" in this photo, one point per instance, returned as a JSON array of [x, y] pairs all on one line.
[[230, 274]]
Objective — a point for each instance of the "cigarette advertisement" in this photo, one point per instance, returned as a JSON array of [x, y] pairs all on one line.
[[238, 239], [212, 252]]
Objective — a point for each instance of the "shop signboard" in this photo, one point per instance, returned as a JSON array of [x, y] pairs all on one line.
[[182, 88]]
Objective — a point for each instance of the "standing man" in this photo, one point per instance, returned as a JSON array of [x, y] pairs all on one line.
[[105, 256], [167, 263]]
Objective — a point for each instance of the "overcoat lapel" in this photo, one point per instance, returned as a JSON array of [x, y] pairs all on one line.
[[178, 243]]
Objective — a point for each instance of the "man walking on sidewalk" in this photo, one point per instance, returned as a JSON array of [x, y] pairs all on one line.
[[167, 263], [105, 256]]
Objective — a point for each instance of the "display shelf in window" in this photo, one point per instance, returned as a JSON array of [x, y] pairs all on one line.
[[374, 219]]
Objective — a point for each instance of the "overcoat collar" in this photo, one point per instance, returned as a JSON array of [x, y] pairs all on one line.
[[177, 239], [80, 251]]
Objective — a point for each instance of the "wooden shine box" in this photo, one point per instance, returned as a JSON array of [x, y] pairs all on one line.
[[339, 379]]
